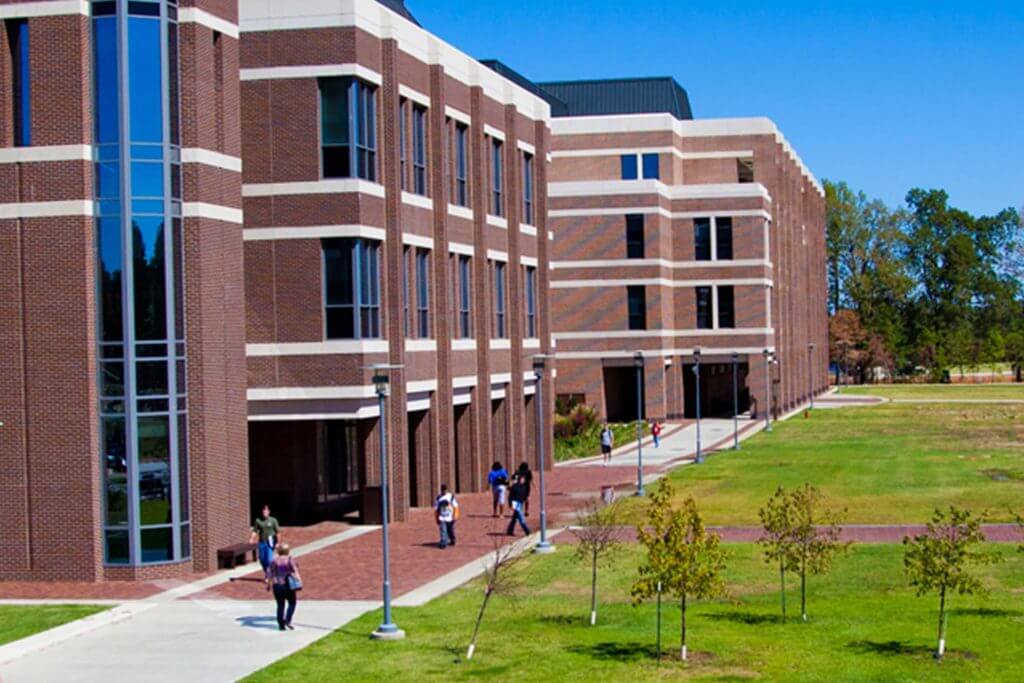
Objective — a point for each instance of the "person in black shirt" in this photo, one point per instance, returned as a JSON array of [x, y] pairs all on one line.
[[527, 475], [518, 495]]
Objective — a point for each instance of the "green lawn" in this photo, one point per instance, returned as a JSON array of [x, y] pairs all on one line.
[[939, 391], [866, 625], [888, 463], [20, 621]]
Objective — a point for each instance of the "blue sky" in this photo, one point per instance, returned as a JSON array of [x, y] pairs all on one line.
[[884, 95]]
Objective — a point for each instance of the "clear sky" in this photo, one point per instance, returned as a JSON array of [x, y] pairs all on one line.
[[884, 95]]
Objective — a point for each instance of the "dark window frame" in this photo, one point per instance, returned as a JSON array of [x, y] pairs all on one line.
[[497, 179], [465, 282], [653, 171], [636, 307], [723, 239], [500, 300], [528, 180], [461, 194], [629, 167], [419, 149], [726, 314], [360, 147], [530, 281], [364, 300], [634, 235], [705, 308], [423, 293], [702, 239], [19, 46]]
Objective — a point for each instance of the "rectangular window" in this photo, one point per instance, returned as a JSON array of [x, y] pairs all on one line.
[[465, 294], [702, 239], [500, 331], [723, 239], [423, 293], [704, 321], [531, 302], [339, 460], [726, 307], [348, 128], [406, 251], [402, 144], [636, 296], [351, 273], [650, 162], [745, 170], [497, 207], [17, 42], [629, 169], [461, 164], [419, 150], [634, 235], [527, 188]]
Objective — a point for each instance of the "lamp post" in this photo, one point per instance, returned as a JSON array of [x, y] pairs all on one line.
[[638, 363], [387, 630], [696, 372], [810, 371], [767, 390], [735, 402], [538, 375]]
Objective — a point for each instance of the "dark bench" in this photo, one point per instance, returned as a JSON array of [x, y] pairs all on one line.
[[233, 555]]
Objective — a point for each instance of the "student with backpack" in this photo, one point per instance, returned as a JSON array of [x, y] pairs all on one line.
[[656, 433], [518, 495], [527, 475], [446, 511], [498, 481]]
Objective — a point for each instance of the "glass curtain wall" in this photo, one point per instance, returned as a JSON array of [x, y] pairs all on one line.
[[143, 403]]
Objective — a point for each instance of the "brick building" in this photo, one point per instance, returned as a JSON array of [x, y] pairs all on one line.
[[184, 336], [675, 234]]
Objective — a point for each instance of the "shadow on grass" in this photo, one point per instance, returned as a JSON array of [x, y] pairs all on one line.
[[900, 648], [750, 619], [565, 619], [985, 612], [619, 651]]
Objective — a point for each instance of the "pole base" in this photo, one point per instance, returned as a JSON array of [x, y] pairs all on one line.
[[388, 632], [543, 548], [639, 493]]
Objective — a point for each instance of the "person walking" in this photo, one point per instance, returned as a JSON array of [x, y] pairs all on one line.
[[267, 531], [284, 578], [498, 481], [527, 475], [607, 441], [446, 511], [517, 497], [656, 433]]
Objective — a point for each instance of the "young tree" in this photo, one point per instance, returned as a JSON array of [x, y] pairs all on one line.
[[777, 539], [940, 559], [681, 555], [597, 534], [500, 578], [816, 534]]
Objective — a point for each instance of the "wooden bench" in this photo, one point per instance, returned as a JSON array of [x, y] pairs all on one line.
[[233, 555]]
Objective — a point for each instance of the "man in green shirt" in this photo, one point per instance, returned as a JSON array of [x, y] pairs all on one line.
[[268, 532]]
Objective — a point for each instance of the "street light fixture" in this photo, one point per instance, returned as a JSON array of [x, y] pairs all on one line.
[[538, 376], [735, 402], [767, 390], [810, 371], [387, 630], [696, 372], [638, 364]]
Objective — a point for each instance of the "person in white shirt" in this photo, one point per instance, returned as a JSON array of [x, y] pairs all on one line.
[[446, 511], [607, 441]]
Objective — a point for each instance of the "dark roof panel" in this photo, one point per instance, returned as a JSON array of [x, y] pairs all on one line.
[[398, 6], [511, 74], [619, 96]]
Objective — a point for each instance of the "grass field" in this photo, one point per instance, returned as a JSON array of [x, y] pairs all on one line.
[[20, 621], [865, 625], [939, 391], [890, 463]]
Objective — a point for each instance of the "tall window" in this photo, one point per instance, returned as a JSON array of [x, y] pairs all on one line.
[[497, 207], [629, 167], [17, 42], [527, 188], [351, 288], [419, 149], [704, 316], [723, 239], [405, 290], [531, 302], [402, 144], [339, 459], [500, 331], [461, 152], [650, 164], [726, 307], [465, 293], [636, 297], [348, 128], [423, 293], [702, 239], [635, 235]]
